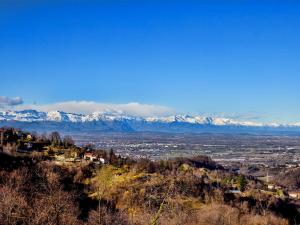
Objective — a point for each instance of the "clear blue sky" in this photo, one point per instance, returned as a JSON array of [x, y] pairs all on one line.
[[238, 57]]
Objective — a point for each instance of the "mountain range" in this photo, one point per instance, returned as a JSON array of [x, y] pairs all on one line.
[[119, 122]]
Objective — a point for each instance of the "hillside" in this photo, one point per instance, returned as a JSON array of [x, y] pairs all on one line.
[[62, 184]]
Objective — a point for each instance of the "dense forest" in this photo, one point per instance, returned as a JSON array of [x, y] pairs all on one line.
[[36, 189]]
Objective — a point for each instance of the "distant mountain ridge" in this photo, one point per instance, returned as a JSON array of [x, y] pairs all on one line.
[[117, 121]]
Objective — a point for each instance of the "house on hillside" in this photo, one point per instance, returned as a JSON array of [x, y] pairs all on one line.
[[101, 160], [89, 156], [30, 146], [233, 192], [294, 194], [274, 187], [60, 158], [271, 186]]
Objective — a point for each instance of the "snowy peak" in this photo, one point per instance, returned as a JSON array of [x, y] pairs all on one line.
[[24, 116], [55, 116], [201, 120], [107, 116], [59, 116]]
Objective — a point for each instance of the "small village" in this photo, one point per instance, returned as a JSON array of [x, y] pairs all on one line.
[[16, 142]]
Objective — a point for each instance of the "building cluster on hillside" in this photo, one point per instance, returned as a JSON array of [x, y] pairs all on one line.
[[14, 142], [87, 156]]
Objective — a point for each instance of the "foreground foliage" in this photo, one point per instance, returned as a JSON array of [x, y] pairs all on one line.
[[182, 191]]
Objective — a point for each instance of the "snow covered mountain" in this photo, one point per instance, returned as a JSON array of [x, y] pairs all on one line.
[[117, 121], [58, 116], [35, 116]]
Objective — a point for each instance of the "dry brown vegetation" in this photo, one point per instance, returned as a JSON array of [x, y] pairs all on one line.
[[34, 190], [181, 191]]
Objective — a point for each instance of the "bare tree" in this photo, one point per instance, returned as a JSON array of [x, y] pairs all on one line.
[[68, 141], [55, 139], [54, 205], [13, 206]]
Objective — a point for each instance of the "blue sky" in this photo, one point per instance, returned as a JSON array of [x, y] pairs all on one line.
[[237, 59]]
